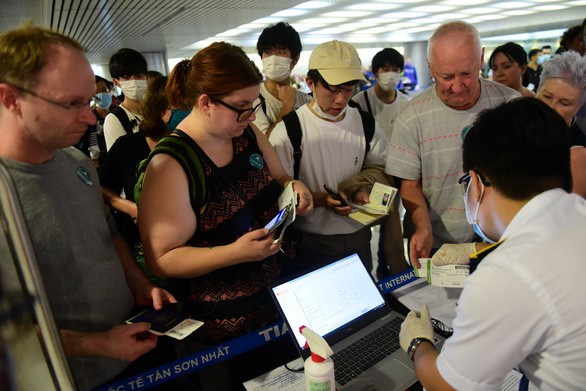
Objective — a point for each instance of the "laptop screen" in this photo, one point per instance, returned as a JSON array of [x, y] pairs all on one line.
[[328, 298]]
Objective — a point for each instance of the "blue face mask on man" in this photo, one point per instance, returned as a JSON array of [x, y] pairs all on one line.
[[474, 220], [543, 58], [104, 100]]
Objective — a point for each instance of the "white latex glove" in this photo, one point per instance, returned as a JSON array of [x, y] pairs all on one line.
[[416, 325], [453, 254]]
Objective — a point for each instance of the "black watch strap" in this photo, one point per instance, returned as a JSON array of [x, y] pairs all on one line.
[[415, 342]]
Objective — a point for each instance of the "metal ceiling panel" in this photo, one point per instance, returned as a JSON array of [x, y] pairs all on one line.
[[172, 27], [104, 26]]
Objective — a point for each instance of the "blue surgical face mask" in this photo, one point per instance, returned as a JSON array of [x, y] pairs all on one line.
[[474, 220], [104, 99], [543, 58]]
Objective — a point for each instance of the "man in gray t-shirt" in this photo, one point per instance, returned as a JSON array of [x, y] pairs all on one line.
[[91, 279], [427, 137]]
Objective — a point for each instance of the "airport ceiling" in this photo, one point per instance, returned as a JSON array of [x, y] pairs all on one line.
[[181, 27]]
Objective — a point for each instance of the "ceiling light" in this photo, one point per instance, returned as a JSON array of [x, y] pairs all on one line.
[[479, 11], [451, 16], [404, 15], [316, 39], [378, 20], [519, 12], [550, 7], [304, 28], [232, 32], [313, 5], [409, 1], [464, 3], [333, 30], [320, 21], [401, 25], [376, 6], [289, 13], [363, 38], [374, 30], [433, 8], [346, 14], [201, 44], [443, 17], [483, 18], [253, 26], [512, 4], [427, 27], [267, 20]]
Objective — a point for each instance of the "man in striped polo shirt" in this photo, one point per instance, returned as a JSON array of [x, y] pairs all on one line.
[[427, 137]]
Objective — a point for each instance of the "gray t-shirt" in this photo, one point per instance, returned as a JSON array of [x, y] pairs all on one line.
[[72, 240]]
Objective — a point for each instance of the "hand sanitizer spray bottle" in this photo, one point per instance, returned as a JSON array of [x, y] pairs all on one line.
[[319, 368]]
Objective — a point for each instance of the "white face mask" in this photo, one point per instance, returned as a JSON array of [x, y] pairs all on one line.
[[320, 113], [277, 68], [474, 220], [388, 80], [133, 89]]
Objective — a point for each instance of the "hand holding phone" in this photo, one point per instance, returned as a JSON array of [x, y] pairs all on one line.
[[336, 195], [279, 219]]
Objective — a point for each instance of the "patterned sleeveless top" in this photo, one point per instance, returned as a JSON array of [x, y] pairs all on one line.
[[234, 300]]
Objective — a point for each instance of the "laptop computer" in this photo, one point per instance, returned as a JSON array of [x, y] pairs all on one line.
[[342, 303]]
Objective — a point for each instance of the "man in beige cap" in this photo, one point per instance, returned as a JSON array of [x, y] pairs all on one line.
[[335, 145]]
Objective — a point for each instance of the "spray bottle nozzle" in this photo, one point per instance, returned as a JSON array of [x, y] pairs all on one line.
[[320, 350]]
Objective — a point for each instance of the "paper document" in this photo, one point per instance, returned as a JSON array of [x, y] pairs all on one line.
[[279, 379], [167, 321], [449, 276], [287, 201], [442, 301], [381, 198]]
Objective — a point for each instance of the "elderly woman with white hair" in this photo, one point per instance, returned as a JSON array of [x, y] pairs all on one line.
[[563, 87]]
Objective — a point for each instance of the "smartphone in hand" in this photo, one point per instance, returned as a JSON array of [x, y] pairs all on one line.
[[336, 195], [279, 219]]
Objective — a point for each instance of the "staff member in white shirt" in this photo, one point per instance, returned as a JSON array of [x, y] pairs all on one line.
[[523, 306]]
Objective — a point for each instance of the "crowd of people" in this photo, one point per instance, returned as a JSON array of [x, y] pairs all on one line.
[[175, 208]]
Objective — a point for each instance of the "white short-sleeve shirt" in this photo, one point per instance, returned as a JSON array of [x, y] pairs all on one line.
[[524, 305]]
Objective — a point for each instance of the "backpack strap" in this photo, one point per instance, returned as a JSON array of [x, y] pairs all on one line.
[[127, 124], [368, 123], [293, 127], [367, 100], [263, 103], [180, 149]]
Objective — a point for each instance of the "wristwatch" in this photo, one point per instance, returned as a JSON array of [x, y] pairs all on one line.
[[415, 344]]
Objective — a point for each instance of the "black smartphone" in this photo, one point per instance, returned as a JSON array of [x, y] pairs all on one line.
[[336, 195]]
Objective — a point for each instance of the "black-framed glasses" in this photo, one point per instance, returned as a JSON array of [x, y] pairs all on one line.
[[464, 181], [243, 114], [71, 106]]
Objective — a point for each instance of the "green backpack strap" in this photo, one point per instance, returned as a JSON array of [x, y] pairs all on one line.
[[180, 149]]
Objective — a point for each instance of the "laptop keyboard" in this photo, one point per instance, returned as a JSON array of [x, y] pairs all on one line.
[[354, 359]]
